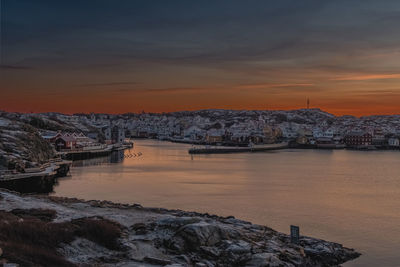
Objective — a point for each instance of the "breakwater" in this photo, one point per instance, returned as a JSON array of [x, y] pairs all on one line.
[[81, 155], [226, 149]]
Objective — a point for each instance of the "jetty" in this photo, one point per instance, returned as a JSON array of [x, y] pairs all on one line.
[[93, 151], [231, 149], [86, 152], [40, 179]]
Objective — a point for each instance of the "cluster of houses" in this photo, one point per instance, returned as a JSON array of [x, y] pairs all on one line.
[[80, 141], [308, 127], [360, 139], [352, 139], [316, 138], [259, 132], [239, 134], [71, 141]]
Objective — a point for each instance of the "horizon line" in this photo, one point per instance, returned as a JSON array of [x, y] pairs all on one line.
[[196, 110]]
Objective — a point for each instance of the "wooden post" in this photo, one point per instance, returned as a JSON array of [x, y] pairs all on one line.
[[294, 234]]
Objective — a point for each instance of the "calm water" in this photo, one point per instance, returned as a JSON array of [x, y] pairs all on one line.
[[350, 197]]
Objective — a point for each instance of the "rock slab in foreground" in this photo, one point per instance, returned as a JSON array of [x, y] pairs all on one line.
[[160, 237]]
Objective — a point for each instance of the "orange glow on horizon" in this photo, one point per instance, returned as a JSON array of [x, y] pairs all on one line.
[[99, 107], [339, 95]]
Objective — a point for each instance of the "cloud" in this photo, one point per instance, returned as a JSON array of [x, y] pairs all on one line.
[[107, 84], [377, 93], [14, 67], [273, 85], [174, 89], [224, 88], [367, 77]]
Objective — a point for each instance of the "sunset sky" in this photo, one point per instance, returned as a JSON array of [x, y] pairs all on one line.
[[128, 56]]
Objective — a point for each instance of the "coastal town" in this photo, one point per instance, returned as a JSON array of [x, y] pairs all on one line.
[[304, 128], [30, 141]]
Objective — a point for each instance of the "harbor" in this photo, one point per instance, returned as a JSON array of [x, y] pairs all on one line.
[[277, 188], [54, 158], [42, 179]]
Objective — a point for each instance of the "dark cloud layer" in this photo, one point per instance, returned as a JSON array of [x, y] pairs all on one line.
[[188, 32], [197, 44]]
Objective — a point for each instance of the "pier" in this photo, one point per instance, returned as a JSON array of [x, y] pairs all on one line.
[[80, 154], [40, 180], [227, 149], [94, 152]]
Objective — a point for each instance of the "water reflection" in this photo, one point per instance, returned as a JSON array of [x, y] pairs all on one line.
[[35, 184], [114, 157], [117, 157], [350, 197]]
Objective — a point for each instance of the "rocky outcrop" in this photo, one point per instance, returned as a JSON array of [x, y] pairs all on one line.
[[160, 237], [21, 146]]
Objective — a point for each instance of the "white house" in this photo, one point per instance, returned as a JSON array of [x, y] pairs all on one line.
[[193, 132], [289, 130], [394, 142]]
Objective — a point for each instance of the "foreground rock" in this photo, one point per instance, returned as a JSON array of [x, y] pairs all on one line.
[[106, 234]]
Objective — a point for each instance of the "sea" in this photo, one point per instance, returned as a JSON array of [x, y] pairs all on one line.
[[345, 196]]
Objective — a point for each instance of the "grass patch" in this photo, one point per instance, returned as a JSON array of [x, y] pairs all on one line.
[[101, 231], [31, 242], [41, 214], [28, 255], [29, 238]]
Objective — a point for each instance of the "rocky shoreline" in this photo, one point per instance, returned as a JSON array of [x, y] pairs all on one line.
[[103, 233]]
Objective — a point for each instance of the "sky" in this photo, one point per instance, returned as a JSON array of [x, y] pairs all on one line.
[[161, 56]]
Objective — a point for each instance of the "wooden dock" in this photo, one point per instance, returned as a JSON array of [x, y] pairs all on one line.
[[36, 180], [81, 154]]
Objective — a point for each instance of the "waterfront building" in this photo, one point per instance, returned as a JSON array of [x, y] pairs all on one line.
[[117, 135], [194, 133], [393, 142], [289, 130], [302, 140], [379, 140], [257, 138], [65, 142], [107, 134], [358, 139], [50, 136], [214, 136]]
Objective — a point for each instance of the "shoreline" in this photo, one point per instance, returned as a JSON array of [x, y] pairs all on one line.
[[215, 149], [161, 237]]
